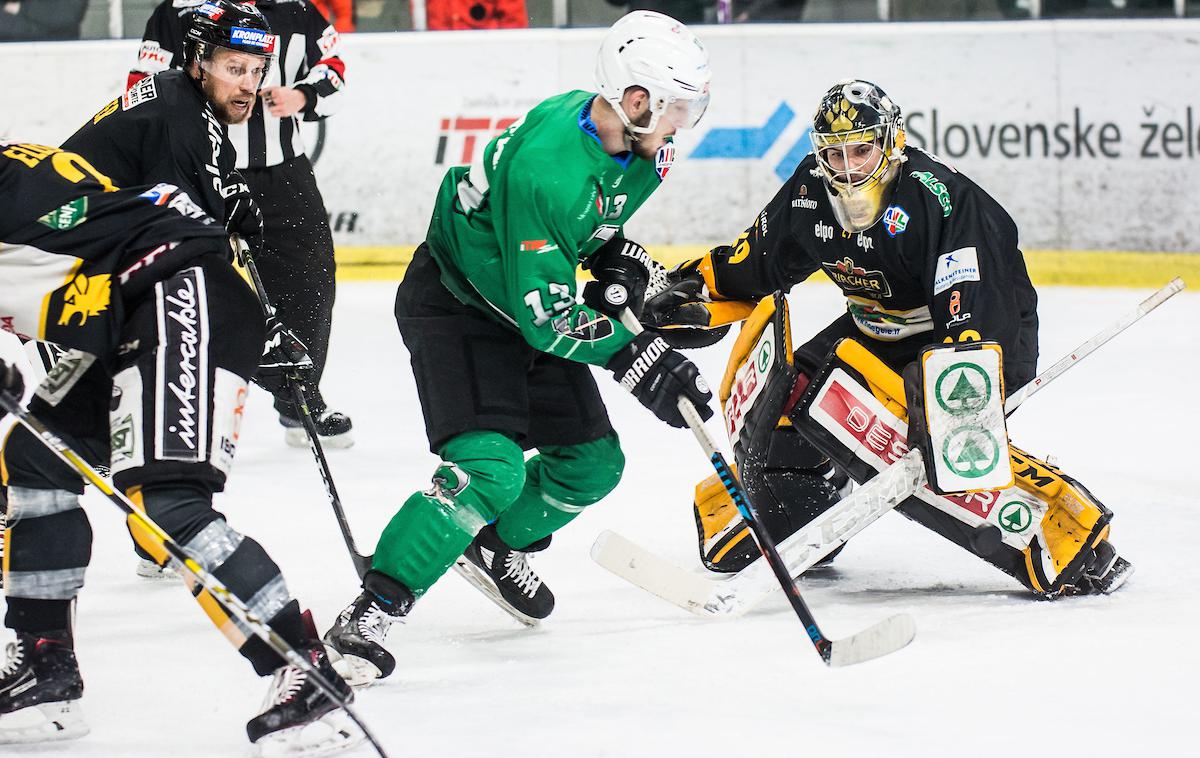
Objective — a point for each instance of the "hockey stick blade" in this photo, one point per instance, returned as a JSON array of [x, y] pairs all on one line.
[[887, 636], [733, 595]]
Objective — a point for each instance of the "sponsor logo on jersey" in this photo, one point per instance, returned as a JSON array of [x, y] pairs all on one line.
[[152, 57], [141, 92], [863, 241], [264, 41], [159, 194], [961, 265], [935, 185], [532, 246], [802, 200], [895, 220], [85, 296], [823, 231], [584, 327], [67, 216], [182, 375], [664, 159], [852, 278]]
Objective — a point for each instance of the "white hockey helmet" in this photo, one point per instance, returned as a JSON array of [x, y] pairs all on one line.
[[657, 53]]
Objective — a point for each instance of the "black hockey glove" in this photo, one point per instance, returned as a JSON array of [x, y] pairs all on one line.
[[622, 269], [242, 214], [11, 383], [679, 310], [658, 376], [284, 357]]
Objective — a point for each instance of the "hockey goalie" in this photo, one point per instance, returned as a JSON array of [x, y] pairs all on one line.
[[933, 279]]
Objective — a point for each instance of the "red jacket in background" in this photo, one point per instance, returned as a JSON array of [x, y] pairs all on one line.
[[340, 13], [476, 14]]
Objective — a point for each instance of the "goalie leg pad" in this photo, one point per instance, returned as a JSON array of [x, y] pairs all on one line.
[[796, 485], [1049, 526]]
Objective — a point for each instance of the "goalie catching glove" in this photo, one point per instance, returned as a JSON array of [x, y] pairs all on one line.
[[684, 311], [284, 357], [658, 377]]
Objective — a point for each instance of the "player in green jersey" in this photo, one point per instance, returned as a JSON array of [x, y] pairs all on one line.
[[500, 347]]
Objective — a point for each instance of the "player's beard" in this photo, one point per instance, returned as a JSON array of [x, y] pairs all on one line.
[[224, 109]]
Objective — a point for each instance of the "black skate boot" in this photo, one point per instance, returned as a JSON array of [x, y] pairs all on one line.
[[298, 718], [504, 575], [40, 689], [334, 429], [358, 634]]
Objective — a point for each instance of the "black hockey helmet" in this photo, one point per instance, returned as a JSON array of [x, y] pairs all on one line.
[[222, 23], [852, 114]]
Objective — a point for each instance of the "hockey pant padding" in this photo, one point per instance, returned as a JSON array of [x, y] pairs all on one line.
[[560, 481], [480, 476], [39, 581], [790, 487], [179, 390], [238, 561]]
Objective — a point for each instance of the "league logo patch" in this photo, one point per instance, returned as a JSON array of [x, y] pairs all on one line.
[[895, 220], [584, 327], [664, 160]]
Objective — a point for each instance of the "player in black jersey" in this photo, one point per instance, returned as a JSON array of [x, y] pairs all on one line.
[[162, 335], [297, 261], [923, 256]]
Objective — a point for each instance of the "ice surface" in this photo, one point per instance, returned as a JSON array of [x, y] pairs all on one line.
[[616, 672]]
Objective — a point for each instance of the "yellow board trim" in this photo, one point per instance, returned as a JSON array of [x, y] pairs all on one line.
[[1078, 268]]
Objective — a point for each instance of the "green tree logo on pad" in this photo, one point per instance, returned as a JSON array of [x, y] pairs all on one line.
[[971, 452], [963, 389], [1015, 517]]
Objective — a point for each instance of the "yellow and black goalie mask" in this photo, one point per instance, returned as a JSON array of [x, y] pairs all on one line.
[[858, 138]]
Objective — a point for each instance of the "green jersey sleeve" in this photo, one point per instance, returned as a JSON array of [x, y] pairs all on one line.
[[540, 254]]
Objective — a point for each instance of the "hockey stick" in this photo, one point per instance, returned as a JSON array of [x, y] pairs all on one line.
[[885, 637], [232, 604], [734, 595], [362, 563]]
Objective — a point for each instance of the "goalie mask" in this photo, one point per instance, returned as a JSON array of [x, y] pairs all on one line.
[[858, 138]]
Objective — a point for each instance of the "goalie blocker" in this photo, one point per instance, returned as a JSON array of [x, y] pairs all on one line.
[[1045, 530]]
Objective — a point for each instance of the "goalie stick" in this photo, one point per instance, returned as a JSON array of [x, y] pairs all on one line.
[[231, 603], [734, 595], [883, 638], [296, 386]]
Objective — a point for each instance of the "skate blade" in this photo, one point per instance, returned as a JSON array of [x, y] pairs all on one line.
[[151, 571], [332, 733], [297, 437], [482, 582], [47, 722], [358, 672]]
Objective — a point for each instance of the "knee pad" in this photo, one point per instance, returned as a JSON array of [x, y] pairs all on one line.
[[178, 395], [480, 471], [790, 485], [49, 544], [578, 475]]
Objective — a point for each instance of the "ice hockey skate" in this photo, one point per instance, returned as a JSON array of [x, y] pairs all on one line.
[[150, 570], [298, 719], [505, 576], [40, 688]]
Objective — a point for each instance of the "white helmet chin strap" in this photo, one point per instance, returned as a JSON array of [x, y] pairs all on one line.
[[632, 129]]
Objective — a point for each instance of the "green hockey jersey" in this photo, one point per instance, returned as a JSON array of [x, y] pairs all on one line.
[[509, 231]]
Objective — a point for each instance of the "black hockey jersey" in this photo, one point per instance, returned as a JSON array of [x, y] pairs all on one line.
[[161, 130], [306, 58], [943, 260]]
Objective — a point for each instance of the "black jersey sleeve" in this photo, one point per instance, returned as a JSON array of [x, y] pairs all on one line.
[[977, 284], [767, 256]]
